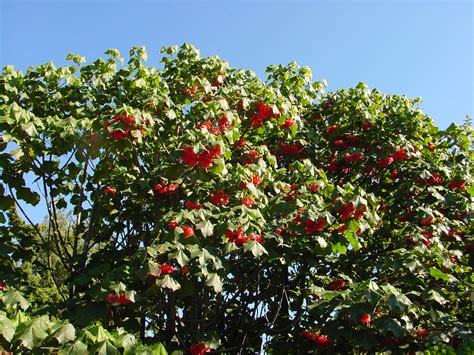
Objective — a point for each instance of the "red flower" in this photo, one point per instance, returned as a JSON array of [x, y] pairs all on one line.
[[422, 332], [431, 147], [288, 149], [256, 180], [346, 210], [264, 112], [185, 270], [165, 189], [314, 187], [118, 134], [288, 123], [435, 179], [366, 125], [337, 285], [219, 198], [111, 298], [198, 349], [312, 226], [3, 284], [223, 123], [110, 191], [205, 160], [172, 225], [384, 162], [351, 157], [394, 174], [425, 221], [333, 166], [188, 231], [240, 143], [360, 213], [236, 236], [205, 124], [365, 318], [256, 237], [340, 144], [332, 128], [400, 154], [126, 119], [193, 205], [189, 157], [122, 299], [166, 269], [248, 201], [321, 341], [457, 184]]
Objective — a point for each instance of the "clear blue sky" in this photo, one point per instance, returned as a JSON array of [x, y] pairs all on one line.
[[416, 48], [413, 47]]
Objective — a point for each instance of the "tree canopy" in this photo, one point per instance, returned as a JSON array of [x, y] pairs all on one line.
[[192, 207]]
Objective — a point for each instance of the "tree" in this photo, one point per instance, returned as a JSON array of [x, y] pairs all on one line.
[[212, 211]]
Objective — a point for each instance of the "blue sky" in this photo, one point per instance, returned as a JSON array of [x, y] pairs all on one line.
[[415, 48]]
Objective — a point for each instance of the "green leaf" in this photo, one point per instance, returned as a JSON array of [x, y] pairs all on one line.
[[105, 347], [7, 328], [33, 332], [64, 333], [433, 295], [168, 282], [13, 298], [76, 348], [438, 274], [352, 239], [206, 228], [29, 129], [214, 280], [255, 247]]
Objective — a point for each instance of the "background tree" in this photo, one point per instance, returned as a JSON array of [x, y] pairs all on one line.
[[207, 209]]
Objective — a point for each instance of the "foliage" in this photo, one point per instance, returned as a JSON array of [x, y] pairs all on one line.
[[207, 209]]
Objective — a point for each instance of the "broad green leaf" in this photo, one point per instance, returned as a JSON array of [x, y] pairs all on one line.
[[64, 333], [168, 282], [214, 281], [255, 247], [76, 348], [13, 298], [7, 328]]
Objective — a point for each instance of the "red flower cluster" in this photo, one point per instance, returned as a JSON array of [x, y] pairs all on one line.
[[110, 191], [422, 332], [3, 284], [165, 189], [321, 341], [264, 112], [337, 285], [365, 318], [190, 205], [457, 184], [311, 226], [219, 198], [252, 155], [384, 162], [198, 349], [205, 159], [346, 210], [166, 269], [288, 123], [237, 236], [433, 180], [400, 154], [352, 157], [248, 201], [314, 187], [172, 225], [187, 231], [340, 144], [121, 299], [360, 213], [331, 129], [290, 149], [119, 134]]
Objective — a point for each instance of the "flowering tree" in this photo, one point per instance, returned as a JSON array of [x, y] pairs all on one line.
[[207, 210]]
